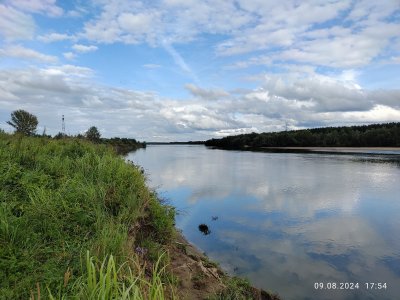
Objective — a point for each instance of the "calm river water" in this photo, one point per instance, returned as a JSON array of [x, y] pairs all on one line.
[[288, 221]]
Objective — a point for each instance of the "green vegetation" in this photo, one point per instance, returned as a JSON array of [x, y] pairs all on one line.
[[93, 134], [377, 135], [236, 289], [23, 122], [77, 221], [240, 289], [120, 145], [123, 145]]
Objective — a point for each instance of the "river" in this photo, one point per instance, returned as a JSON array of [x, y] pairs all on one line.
[[304, 225]]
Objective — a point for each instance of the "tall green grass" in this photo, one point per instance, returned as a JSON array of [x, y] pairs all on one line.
[[62, 198], [103, 280]]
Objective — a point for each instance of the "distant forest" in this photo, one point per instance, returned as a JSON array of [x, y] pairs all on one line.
[[377, 135]]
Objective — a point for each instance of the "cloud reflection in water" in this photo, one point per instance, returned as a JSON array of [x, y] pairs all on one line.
[[287, 220]]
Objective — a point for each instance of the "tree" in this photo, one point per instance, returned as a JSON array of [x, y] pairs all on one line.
[[60, 135], [23, 122], [93, 134]]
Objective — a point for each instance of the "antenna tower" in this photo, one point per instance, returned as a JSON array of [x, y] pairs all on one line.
[[63, 125]]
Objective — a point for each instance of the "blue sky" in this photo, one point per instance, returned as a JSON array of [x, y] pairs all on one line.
[[177, 70]]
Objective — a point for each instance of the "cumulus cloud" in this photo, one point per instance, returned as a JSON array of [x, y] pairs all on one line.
[[69, 55], [324, 93], [26, 53], [15, 25], [353, 50], [55, 37], [70, 90], [300, 31], [48, 7], [279, 24], [70, 71], [386, 97], [294, 41], [197, 116], [206, 94], [177, 21], [83, 48], [136, 24]]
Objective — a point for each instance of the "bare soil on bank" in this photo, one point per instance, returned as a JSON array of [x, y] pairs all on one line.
[[199, 278]]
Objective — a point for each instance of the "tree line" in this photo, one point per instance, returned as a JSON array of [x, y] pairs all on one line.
[[376, 135], [26, 123]]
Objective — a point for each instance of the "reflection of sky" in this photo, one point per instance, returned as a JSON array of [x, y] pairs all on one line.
[[287, 220]]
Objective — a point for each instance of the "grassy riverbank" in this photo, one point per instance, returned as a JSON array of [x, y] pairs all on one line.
[[68, 206], [77, 221]]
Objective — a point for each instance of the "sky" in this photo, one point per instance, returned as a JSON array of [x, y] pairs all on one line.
[[180, 70]]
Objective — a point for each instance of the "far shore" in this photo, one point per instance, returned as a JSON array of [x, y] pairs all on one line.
[[337, 149]]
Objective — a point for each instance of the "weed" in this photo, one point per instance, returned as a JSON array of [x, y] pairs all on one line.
[[236, 289]]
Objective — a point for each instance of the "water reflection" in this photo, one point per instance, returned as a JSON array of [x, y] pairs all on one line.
[[287, 220]]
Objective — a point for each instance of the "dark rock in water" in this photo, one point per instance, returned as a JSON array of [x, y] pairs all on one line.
[[204, 229]]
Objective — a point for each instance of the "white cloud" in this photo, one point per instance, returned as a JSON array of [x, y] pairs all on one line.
[[292, 39], [70, 71], [152, 66], [78, 11], [55, 37], [15, 25], [349, 75], [83, 48], [136, 24], [48, 7], [171, 20], [70, 90], [378, 114], [326, 94], [349, 51], [375, 10], [26, 53], [235, 131], [69, 55], [386, 97], [206, 94], [279, 24], [336, 47], [285, 30], [194, 116]]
